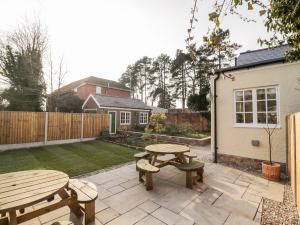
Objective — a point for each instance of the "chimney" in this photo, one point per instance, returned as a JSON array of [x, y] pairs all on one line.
[[235, 61]]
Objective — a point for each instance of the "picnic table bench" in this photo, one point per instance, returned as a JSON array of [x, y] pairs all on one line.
[[86, 194], [145, 172], [20, 190], [181, 152]]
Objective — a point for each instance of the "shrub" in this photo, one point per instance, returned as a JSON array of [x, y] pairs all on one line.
[[156, 123]]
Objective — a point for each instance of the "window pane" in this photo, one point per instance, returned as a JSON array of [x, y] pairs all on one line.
[[248, 95], [239, 107], [272, 105], [261, 118], [271, 93], [261, 106], [248, 118], [260, 94], [248, 106], [239, 95], [272, 118], [240, 118]]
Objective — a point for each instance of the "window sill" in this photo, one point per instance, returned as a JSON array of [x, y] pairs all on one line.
[[261, 126], [124, 123], [143, 123]]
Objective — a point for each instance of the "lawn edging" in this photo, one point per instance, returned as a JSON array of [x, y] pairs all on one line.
[[40, 144], [176, 139]]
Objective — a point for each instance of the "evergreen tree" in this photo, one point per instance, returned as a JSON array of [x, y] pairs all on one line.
[[159, 79], [21, 64]]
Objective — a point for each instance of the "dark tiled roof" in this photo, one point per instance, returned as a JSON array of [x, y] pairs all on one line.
[[118, 102], [93, 80], [260, 57]]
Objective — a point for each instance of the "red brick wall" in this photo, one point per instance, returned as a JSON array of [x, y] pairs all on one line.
[[198, 121], [91, 104], [115, 92], [85, 90]]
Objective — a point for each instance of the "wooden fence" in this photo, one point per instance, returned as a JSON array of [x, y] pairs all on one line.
[[30, 127], [294, 155]]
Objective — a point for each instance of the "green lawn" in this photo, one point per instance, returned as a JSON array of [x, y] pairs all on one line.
[[73, 159]]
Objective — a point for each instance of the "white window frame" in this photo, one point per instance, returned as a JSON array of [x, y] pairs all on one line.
[[98, 90], [254, 109], [142, 117], [126, 113]]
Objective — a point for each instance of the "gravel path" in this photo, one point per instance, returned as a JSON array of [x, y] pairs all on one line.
[[283, 213]]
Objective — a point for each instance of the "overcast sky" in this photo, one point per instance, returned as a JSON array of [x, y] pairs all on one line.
[[101, 37]]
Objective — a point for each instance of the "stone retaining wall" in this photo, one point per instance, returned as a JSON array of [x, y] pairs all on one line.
[[175, 139]]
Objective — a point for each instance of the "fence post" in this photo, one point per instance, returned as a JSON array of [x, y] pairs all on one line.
[[46, 127], [81, 128]]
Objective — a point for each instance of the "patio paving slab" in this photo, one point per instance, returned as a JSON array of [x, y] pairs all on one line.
[[227, 196], [150, 220], [129, 218]]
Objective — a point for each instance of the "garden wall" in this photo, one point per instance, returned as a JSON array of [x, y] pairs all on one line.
[[176, 139], [197, 120]]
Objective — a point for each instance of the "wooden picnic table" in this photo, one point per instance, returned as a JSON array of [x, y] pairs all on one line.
[[19, 190], [163, 149]]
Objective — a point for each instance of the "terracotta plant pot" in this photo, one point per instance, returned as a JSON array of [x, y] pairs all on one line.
[[271, 172]]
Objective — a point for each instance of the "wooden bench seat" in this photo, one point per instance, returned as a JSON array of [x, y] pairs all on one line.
[[145, 171], [86, 194], [194, 166], [140, 155], [190, 156], [63, 223]]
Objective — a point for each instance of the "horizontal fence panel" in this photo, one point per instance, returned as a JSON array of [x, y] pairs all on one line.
[[29, 127], [21, 127]]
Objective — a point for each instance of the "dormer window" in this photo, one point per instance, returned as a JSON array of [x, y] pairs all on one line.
[[98, 90], [75, 89]]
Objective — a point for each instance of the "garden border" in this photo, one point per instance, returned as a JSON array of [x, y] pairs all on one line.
[[176, 139]]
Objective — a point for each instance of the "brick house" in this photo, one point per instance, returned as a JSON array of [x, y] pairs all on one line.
[[123, 111], [95, 85], [108, 96]]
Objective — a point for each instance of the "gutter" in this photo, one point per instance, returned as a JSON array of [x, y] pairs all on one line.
[[215, 119]]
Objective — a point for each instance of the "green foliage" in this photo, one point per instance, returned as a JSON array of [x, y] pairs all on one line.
[[69, 103], [223, 49], [282, 19], [21, 66], [23, 70], [198, 102], [156, 123]]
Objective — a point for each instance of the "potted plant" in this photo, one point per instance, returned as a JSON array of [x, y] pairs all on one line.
[[271, 170]]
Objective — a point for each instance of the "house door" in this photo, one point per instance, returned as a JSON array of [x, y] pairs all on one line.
[[112, 122]]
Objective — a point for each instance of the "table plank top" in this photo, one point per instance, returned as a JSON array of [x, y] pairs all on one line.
[[167, 148], [22, 189]]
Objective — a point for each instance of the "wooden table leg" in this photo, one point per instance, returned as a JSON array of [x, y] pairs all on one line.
[[153, 160], [13, 218], [89, 212], [148, 181], [74, 206]]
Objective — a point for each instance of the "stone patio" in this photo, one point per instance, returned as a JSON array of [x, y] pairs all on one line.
[[228, 196]]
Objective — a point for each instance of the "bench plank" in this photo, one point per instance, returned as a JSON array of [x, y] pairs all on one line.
[[193, 166], [144, 165], [141, 155], [86, 191]]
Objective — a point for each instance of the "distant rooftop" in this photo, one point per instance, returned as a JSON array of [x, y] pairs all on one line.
[[119, 102], [96, 81], [260, 57]]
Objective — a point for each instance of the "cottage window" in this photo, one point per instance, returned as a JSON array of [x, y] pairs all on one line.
[[256, 107], [143, 118], [125, 118], [98, 90]]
